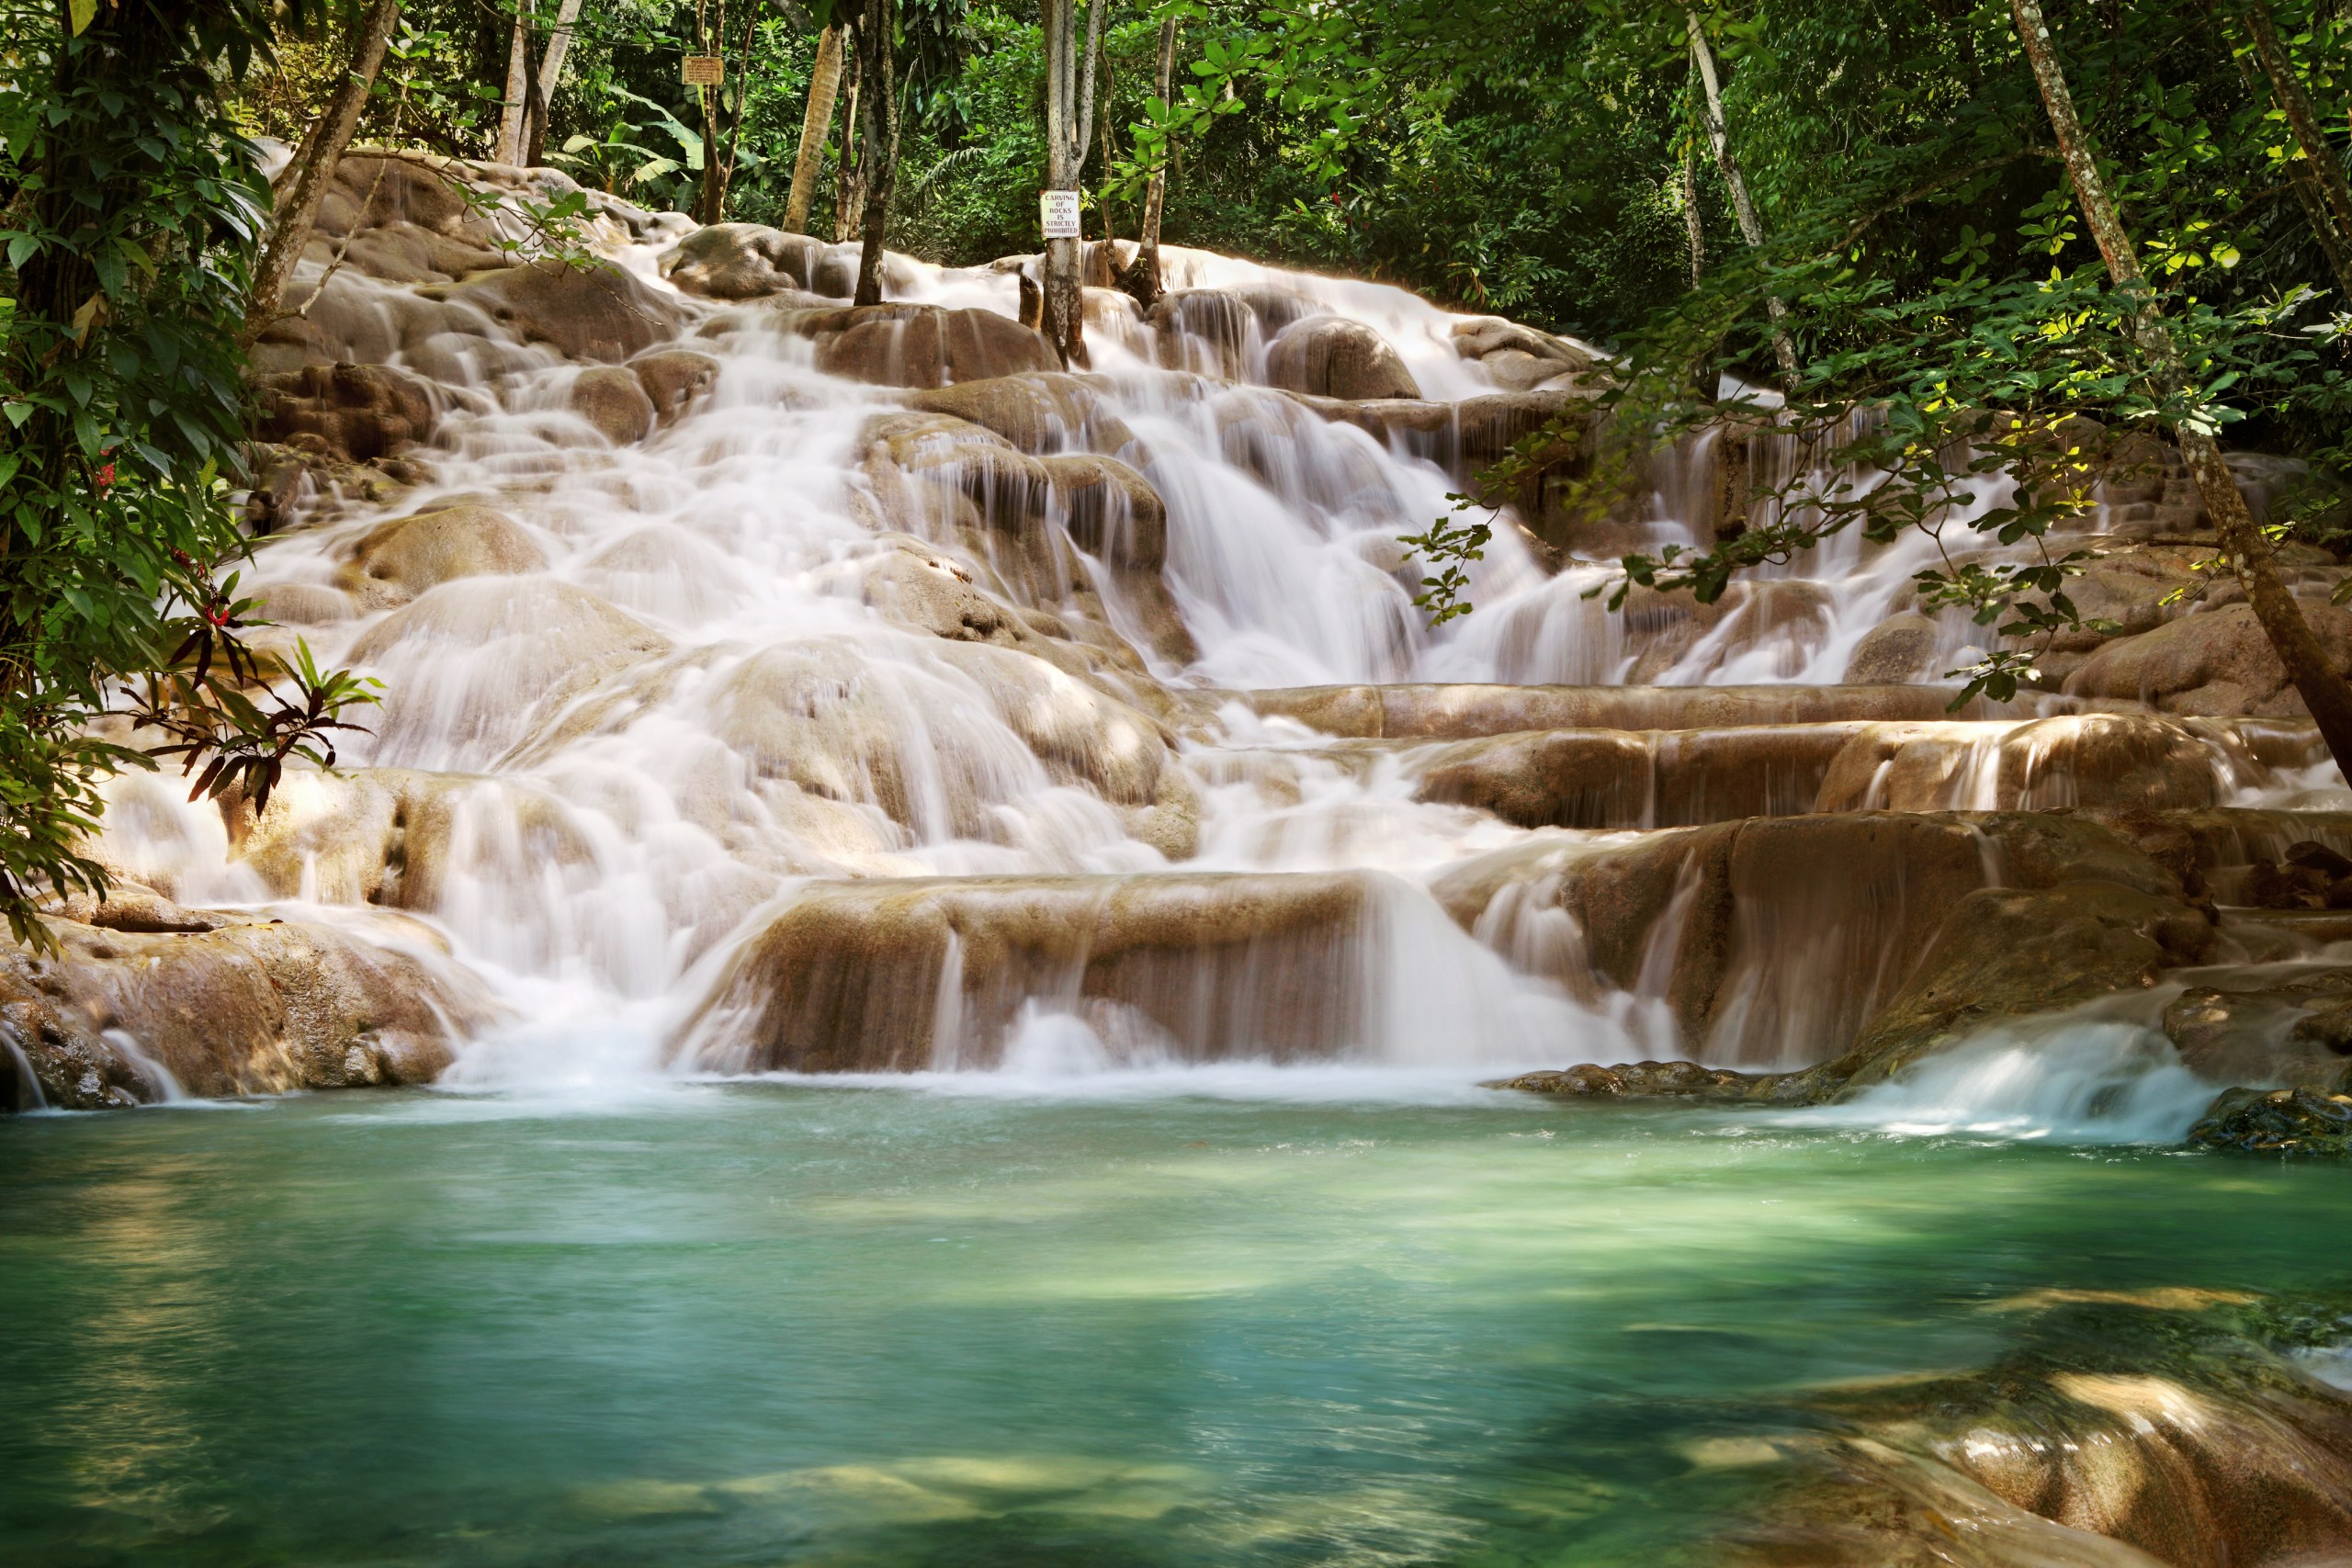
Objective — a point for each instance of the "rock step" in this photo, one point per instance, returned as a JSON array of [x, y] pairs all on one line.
[[1467, 711], [1606, 778]]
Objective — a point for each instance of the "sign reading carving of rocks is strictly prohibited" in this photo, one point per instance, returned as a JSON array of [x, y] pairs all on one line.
[[702, 71], [1058, 211]]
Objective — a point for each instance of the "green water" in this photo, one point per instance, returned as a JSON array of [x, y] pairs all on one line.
[[847, 1325]]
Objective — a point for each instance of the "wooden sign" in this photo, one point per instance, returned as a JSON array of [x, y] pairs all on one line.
[[1057, 214], [702, 71]]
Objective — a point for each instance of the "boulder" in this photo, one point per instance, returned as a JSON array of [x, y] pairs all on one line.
[[1335, 357], [2216, 663], [2273, 1024], [1616, 778], [921, 587], [2110, 760], [353, 413], [1110, 511], [1644, 1080], [836, 274], [916, 974], [1898, 649], [1041, 413], [2305, 1121], [614, 400], [602, 312], [742, 260], [395, 561], [673, 378], [918, 346], [225, 1006]]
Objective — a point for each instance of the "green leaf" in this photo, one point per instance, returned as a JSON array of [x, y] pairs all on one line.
[[82, 13]]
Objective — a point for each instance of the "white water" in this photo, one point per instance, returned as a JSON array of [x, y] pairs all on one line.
[[655, 739]]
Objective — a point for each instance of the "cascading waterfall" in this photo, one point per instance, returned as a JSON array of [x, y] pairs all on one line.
[[813, 644]]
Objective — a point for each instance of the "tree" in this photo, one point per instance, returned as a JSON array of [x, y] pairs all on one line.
[[2317, 172], [1069, 117], [515, 103], [543, 85], [303, 185], [879, 113], [132, 207], [1142, 277], [2322, 688], [1751, 227], [824, 85]]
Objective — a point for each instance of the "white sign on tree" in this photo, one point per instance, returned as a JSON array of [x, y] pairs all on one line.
[[1058, 211]]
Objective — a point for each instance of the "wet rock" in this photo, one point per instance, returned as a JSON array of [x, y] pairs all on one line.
[[1646, 1080], [922, 587], [615, 401], [1110, 510], [918, 974], [1898, 649], [673, 378], [2217, 663], [1041, 413], [1520, 358], [244, 1007], [1461, 712], [1614, 778], [602, 312], [2109, 760], [353, 412], [2277, 1121], [395, 561], [742, 260], [2288, 1024], [918, 346], [404, 221], [836, 275], [1332, 356]]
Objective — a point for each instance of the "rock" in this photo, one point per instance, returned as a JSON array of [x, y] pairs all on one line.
[[2217, 663], [1645, 1081], [395, 561], [742, 260], [918, 346], [237, 1007], [616, 401], [836, 275], [673, 378], [354, 412], [1335, 357], [602, 312], [1459, 712], [1616, 778], [2109, 760], [1110, 511], [1900, 649], [1041, 413], [916, 974], [2278, 1122], [921, 587], [2251, 1025]]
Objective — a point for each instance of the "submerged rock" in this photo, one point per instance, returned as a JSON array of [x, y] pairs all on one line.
[[2278, 1122], [1646, 1080]]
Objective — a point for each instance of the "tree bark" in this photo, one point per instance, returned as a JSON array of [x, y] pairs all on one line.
[[1692, 223], [824, 87], [1142, 279], [543, 85], [1069, 115], [879, 66], [1751, 227], [849, 179], [2320, 166], [298, 212], [2324, 690], [518, 75]]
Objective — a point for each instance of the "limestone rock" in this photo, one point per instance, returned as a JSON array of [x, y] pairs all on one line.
[[616, 401], [1461, 711], [918, 346], [926, 588], [247, 1007], [2218, 663], [1898, 649], [673, 378], [1333, 356], [2263, 1026], [395, 561], [1616, 778], [354, 412], [2109, 760], [1042, 413], [742, 260], [604, 312]]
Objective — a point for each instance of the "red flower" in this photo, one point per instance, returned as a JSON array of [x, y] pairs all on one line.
[[105, 474]]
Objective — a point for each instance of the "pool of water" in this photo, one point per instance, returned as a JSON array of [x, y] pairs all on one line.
[[1299, 1320]]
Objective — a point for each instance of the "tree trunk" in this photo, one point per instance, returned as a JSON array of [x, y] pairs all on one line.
[[518, 75], [877, 66], [551, 72], [290, 233], [1070, 114], [849, 181], [824, 87], [2324, 690], [1692, 223], [1142, 280], [1751, 227], [2302, 174], [2321, 167]]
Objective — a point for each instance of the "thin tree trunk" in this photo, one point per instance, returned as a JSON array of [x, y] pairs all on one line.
[[1109, 235], [2301, 172], [2324, 690], [849, 182], [1142, 280], [551, 72], [877, 57], [1691, 221], [824, 87], [1070, 114], [2319, 158], [1751, 227], [290, 232], [732, 119], [518, 75]]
